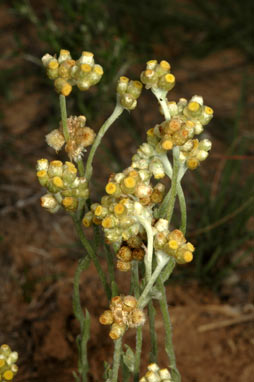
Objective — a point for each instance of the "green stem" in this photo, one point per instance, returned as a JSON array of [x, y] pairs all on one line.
[[116, 113], [139, 337], [143, 298], [167, 207], [92, 255], [64, 117], [161, 96], [182, 203], [111, 270], [81, 167], [116, 359], [149, 254], [153, 336], [83, 338], [168, 332], [171, 203]]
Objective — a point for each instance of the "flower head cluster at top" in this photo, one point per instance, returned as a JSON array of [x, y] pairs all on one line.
[[157, 75], [67, 72], [80, 137], [123, 314], [63, 185], [8, 367], [155, 374]]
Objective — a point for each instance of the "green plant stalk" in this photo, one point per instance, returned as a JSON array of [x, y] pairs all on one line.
[[84, 321], [161, 96], [104, 128], [168, 170], [116, 359], [182, 204], [142, 299], [149, 252], [62, 101], [154, 347], [173, 190], [111, 269], [139, 336], [92, 255], [81, 167], [168, 332]]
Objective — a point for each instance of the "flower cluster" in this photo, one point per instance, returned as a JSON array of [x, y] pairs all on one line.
[[132, 250], [172, 242], [67, 72], [8, 368], [63, 184], [155, 374], [80, 137], [118, 218], [158, 76], [129, 92], [188, 119], [146, 160], [130, 195], [194, 151], [123, 314]]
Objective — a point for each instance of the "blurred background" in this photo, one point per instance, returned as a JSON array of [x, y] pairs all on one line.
[[209, 45]]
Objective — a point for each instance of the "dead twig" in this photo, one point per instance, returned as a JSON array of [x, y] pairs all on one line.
[[225, 323]]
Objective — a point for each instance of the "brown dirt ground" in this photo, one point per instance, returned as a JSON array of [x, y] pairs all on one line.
[[39, 252]]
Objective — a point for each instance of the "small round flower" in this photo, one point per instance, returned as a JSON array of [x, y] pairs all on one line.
[[128, 92]]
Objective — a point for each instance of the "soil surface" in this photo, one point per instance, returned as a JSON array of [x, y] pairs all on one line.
[[213, 336]]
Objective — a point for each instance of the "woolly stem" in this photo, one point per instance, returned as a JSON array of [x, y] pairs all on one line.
[[104, 128]]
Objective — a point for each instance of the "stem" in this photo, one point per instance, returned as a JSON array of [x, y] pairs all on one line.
[[116, 113], [92, 255], [167, 165], [111, 271], [182, 203], [153, 336], [116, 359], [81, 167], [142, 299], [149, 254], [168, 332], [139, 337], [83, 338], [64, 117], [161, 97], [173, 190], [167, 207]]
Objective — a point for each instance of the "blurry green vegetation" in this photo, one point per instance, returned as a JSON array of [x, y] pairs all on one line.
[[122, 33]]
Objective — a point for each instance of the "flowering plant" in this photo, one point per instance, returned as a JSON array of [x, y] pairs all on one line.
[[136, 211]]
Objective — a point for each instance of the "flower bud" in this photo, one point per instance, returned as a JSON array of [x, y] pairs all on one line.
[[42, 164], [116, 331], [124, 253], [55, 139], [137, 318], [123, 266], [129, 303], [55, 168], [152, 376], [138, 254], [106, 318], [49, 202]]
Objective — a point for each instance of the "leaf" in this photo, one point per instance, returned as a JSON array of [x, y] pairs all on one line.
[[107, 375], [129, 358]]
